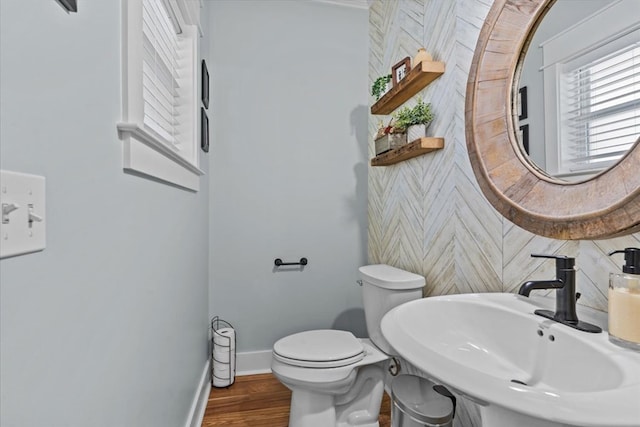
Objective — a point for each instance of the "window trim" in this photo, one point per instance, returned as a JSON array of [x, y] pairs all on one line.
[[143, 152], [146, 137]]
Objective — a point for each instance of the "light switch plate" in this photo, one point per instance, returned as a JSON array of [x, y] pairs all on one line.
[[22, 199]]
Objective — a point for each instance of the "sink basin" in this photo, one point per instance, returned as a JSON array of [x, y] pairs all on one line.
[[493, 349]]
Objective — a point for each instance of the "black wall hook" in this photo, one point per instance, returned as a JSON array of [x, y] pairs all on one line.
[[278, 262]]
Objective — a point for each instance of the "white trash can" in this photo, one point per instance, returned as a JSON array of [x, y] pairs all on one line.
[[417, 402]]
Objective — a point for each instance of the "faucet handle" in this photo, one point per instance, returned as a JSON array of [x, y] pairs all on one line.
[[562, 261]]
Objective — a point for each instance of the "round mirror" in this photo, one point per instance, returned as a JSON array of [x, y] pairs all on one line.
[[578, 88], [604, 206]]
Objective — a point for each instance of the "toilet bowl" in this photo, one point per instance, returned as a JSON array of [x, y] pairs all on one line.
[[342, 390], [337, 379]]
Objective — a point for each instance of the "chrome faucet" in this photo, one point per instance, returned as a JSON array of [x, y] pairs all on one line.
[[565, 286]]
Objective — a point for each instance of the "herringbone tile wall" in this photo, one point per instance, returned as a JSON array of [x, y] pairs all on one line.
[[428, 215]]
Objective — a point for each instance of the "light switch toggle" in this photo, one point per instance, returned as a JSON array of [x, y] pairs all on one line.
[[7, 208], [33, 217], [23, 231]]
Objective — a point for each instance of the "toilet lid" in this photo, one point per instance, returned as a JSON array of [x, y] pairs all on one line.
[[319, 348]]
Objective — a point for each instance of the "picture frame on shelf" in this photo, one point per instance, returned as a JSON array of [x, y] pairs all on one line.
[[204, 130], [205, 85], [400, 70]]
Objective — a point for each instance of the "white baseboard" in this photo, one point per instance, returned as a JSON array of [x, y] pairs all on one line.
[[248, 363], [253, 362], [199, 404]]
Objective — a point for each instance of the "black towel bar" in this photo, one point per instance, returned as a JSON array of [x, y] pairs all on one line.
[[278, 262]]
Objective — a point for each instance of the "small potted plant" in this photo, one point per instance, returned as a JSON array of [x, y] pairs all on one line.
[[381, 86], [414, 121], [389, 137]]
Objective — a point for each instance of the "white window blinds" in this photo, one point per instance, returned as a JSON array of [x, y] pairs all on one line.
[[601, 110], [160, 103], [160, 80]]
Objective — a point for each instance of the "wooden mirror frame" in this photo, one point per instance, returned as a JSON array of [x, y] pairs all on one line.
[[605, 206]]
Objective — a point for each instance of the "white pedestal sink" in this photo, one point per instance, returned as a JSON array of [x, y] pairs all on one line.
[[524, 370]]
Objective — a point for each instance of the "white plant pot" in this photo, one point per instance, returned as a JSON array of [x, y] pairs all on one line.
[[389, 142], [416, 131], [387, 88]]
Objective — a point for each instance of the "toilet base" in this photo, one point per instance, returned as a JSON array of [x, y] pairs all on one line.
[[311, 409], [348, 396], [361, 405], [358, 406]]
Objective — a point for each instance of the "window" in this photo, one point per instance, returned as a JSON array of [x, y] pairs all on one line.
[[601, 110], [592, 91], [160, 102]]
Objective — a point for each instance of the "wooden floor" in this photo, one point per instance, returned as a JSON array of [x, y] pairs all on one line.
[[259, 401]]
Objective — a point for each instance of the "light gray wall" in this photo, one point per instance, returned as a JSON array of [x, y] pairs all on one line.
[[289, 141], [107, 326]]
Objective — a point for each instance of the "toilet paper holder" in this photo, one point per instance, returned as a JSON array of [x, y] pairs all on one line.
[[222, 349]]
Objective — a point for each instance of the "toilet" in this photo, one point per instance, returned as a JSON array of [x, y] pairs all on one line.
[[335, 378]]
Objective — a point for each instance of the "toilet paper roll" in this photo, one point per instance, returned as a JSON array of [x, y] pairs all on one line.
[[221, 370], [224, 357], [221, 355], [224, 345], [225, 337], [217, 382], [223, 373]]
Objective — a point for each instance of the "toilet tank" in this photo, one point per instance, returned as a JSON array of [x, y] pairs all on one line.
[[383, 288]]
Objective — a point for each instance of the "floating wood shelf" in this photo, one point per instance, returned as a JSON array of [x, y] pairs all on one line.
[[414, 82], [413, 149]]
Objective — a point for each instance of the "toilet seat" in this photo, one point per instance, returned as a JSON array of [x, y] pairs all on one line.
[[322, 348]]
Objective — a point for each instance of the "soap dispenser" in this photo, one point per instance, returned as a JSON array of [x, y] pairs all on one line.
[[624, 301]]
